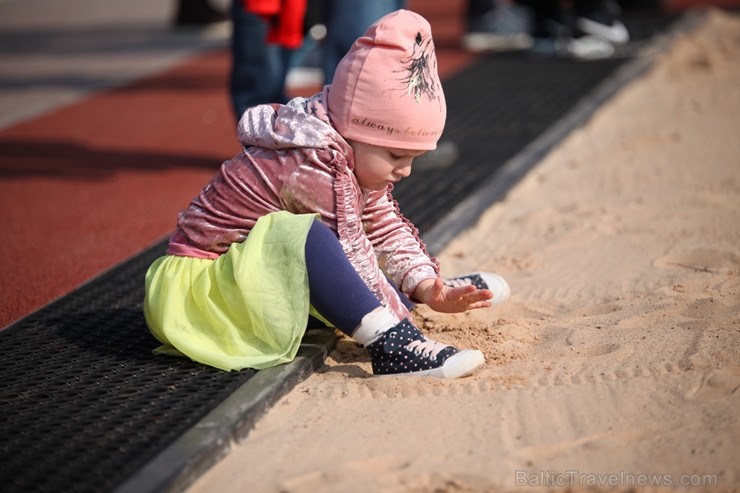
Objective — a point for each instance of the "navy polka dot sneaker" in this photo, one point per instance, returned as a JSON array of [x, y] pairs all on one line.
[[404, 350], [484, 280]]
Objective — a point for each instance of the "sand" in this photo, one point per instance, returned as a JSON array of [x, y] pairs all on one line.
[[615, 363]]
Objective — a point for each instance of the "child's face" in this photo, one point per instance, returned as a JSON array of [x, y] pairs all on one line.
[[377, 167]]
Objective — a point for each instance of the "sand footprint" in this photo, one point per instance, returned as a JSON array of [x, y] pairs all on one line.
[[714, 385], [346, 476], [701, 260]]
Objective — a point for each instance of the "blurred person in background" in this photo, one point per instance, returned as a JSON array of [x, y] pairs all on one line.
[[580, 29], [268, 34], [197, 13]]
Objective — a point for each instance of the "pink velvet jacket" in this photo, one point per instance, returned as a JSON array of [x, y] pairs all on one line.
[[294, 160]]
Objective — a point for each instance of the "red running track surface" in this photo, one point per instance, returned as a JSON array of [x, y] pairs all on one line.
[[89, 185]]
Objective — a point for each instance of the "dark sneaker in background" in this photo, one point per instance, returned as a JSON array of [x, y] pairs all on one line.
[[581, 34], [506, 27], [604, 23]]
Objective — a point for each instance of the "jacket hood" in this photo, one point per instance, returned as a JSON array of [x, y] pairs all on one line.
[[302, 122]]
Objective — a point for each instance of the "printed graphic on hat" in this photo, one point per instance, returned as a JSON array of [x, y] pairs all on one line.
[[420, 80]]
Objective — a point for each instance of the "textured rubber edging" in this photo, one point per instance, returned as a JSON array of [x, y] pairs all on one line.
[[231, 421], [86, 407]]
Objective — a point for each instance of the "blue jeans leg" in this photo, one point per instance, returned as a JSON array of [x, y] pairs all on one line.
[[346, 21], [258, 69]]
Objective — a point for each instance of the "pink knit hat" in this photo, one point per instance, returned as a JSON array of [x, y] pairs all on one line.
[[386, 90]]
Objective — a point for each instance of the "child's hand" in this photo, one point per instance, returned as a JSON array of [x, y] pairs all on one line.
[[445, 299]]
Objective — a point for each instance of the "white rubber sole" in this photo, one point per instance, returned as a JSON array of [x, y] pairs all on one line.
[[498, 286], [480, 42], [616, 33], [588, 47]]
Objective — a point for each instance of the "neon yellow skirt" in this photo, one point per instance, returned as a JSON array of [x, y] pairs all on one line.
[[247, 309]]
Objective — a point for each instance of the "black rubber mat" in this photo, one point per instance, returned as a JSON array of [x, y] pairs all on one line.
[[84, 402]]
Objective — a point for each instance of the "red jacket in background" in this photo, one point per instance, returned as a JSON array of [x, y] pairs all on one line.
[[285, 18]]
